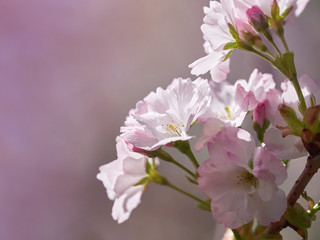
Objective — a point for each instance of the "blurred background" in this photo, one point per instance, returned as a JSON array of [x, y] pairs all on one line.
[[70, 70]]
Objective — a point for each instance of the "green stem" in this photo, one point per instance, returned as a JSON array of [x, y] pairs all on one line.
[[262, 56], [284, 42], [236, 234], [184, 147], [186, 193], [270, 54], [296, 85], [168, 158], [275, 47]]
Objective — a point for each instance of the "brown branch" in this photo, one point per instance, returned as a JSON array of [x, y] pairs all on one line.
[[312, 166]]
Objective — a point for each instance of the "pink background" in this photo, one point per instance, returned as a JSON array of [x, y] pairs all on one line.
[[70, 70]]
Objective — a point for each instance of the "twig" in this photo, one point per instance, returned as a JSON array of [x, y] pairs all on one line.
[[312, 166]]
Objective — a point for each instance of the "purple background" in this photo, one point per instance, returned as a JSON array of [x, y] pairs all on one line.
[[70, 70]]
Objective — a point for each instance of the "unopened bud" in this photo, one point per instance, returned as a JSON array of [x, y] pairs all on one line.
[[290, 116], [311, 141], [259, 21], [259, 114], [254, 40], [257, 18], [275, 10], [311, 119]]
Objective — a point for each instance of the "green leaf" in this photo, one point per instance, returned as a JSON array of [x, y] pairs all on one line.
[[285, 64], [148, 167], [195, 121], [192, 180], [143, 181], [205, 207], [286, 162], [314, 210], [308, 199], [228, 55], [298, 217], [233, 31], [230, 45], [275, 10], [313, 100], [261, 131], [290, 116], [286, 12]]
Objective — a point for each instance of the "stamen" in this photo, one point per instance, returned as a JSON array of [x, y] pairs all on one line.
[[174, 128], [228, 111], [247, 178]]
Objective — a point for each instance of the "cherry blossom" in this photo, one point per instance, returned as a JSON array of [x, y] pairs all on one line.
[[120, 177], [224, 111], [265, 6], [254, 91], [242, 180], [218, 17], [308, 87], [165, 116], [287, 148], [290, 147]]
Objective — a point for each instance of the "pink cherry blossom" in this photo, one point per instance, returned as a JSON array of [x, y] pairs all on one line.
[[265, 5], [224, 111], [268, 109], [290, 147], [217, 34], [287, 148], [308, 87], [242, 180], [120, 177], [165, 116], [252, 92]]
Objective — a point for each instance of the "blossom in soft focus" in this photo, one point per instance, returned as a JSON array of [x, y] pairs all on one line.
[[308, 86], [165, 116], [242, 180], [254, 91], [216, 32], [224, 111], [266, 5], [290, 147], [120, 177]]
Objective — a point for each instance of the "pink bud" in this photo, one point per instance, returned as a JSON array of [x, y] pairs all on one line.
[[257, 18], [259, 114]]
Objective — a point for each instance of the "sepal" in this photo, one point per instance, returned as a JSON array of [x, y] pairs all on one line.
[[298, 216], [205, 207], [290, 116]]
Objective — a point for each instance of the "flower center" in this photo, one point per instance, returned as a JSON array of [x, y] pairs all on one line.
[[247, 178], [173, 128], [227, 115]]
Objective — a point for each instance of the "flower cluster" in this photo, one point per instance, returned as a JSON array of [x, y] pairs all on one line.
[[246, 165]]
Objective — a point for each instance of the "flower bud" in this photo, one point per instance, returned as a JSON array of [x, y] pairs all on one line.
[[257, 18], [259, 114], [311, 119], [260, 123], [275, 10], [259, 21], [254, 40], [311, 133], [289, 115], [311, 141]]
